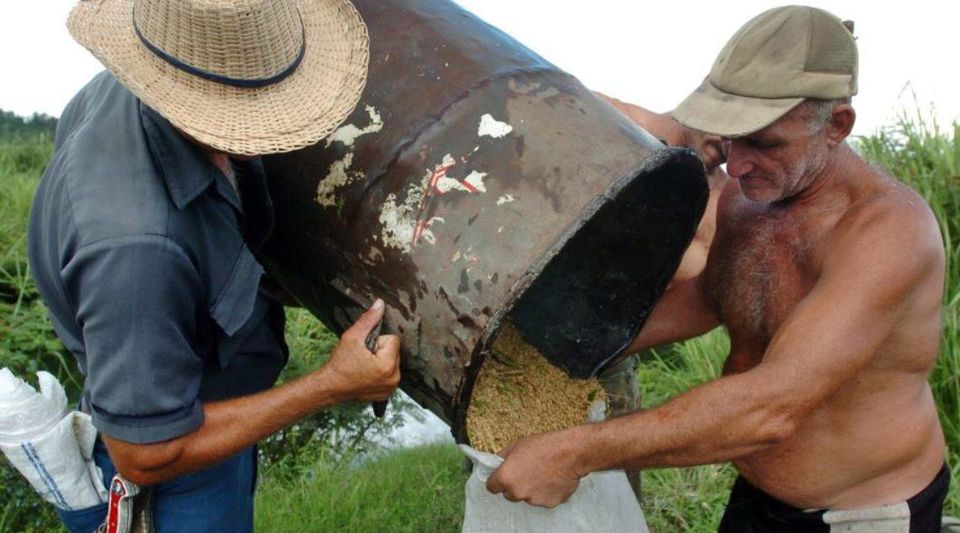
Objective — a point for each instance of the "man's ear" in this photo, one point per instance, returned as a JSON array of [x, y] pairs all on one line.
[[840, 124]]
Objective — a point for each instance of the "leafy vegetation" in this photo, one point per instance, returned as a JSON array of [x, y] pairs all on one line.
[[38, 127], [325, 473], [27, 341]]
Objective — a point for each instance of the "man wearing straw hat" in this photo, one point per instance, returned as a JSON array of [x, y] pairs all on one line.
[[145, 227], [828, 276]]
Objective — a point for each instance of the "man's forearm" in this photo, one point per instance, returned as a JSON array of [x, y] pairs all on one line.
[[353, 372], [229, 426], [718, 421]]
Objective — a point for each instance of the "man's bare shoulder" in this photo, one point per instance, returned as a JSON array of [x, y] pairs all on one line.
[[891, 218], [890, 204]]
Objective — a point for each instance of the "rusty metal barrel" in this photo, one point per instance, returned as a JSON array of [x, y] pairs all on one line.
[[475, 183]]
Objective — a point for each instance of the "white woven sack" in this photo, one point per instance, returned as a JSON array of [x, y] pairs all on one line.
[[604, 501]]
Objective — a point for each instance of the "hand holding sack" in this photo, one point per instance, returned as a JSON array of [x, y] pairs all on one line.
[[604, 501]]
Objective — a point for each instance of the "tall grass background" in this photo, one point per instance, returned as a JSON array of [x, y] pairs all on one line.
[[927, 158], [311, 479]]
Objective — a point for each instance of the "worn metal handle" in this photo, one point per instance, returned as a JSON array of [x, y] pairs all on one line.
[[379, 408]]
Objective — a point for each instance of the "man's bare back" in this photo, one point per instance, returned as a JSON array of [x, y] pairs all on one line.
[[877, 440]]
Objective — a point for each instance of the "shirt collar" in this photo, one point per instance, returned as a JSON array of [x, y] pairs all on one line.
[[181, 164], [257, 205]]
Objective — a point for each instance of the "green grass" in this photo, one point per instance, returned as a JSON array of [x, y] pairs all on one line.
[[27, 340], [411, 490], [927, 159], [684, 499]]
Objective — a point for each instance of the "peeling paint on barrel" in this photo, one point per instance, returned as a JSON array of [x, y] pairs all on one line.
[[492, 127], [450, 200], [340, 173], [349, 133]]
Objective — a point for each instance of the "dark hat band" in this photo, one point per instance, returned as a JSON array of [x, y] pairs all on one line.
[[245, 83]]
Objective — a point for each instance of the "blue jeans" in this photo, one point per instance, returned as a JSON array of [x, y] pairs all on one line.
[[216, 499]]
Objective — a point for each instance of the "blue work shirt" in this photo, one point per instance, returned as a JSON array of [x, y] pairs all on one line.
[[144, 254]]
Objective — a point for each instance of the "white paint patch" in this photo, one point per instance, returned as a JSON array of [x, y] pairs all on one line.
[[398, 222], [448, 161], [436, 180], [401, 228], [348, 134], [340, 173], [337, 176], [445, 185], [505, 199], [491, 127], [472, 183], [428, 235], [475, 181]]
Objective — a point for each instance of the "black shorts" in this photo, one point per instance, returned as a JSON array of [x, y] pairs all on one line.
[[750, 510]]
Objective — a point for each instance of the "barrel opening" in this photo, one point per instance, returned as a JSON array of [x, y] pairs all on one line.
[[593, 296]]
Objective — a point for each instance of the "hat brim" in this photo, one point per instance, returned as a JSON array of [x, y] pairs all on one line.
[[728, 115], [295, 112]]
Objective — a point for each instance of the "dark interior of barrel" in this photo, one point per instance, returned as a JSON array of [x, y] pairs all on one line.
[[594, 295]]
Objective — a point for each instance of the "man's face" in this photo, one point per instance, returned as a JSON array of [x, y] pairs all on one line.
[[779, 161]]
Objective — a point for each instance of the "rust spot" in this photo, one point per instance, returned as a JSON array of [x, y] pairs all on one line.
[[464, 282], [446, 298], [467, 321]]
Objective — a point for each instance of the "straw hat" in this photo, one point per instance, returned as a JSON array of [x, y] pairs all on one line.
[[243, 76], [772, 64]]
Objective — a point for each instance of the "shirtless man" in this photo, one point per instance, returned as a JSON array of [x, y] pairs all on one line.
[[828, 276]]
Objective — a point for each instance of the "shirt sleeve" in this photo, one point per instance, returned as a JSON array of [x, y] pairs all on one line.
[[137, 300]]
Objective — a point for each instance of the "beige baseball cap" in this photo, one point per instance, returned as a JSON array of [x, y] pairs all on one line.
[[774, 62]]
